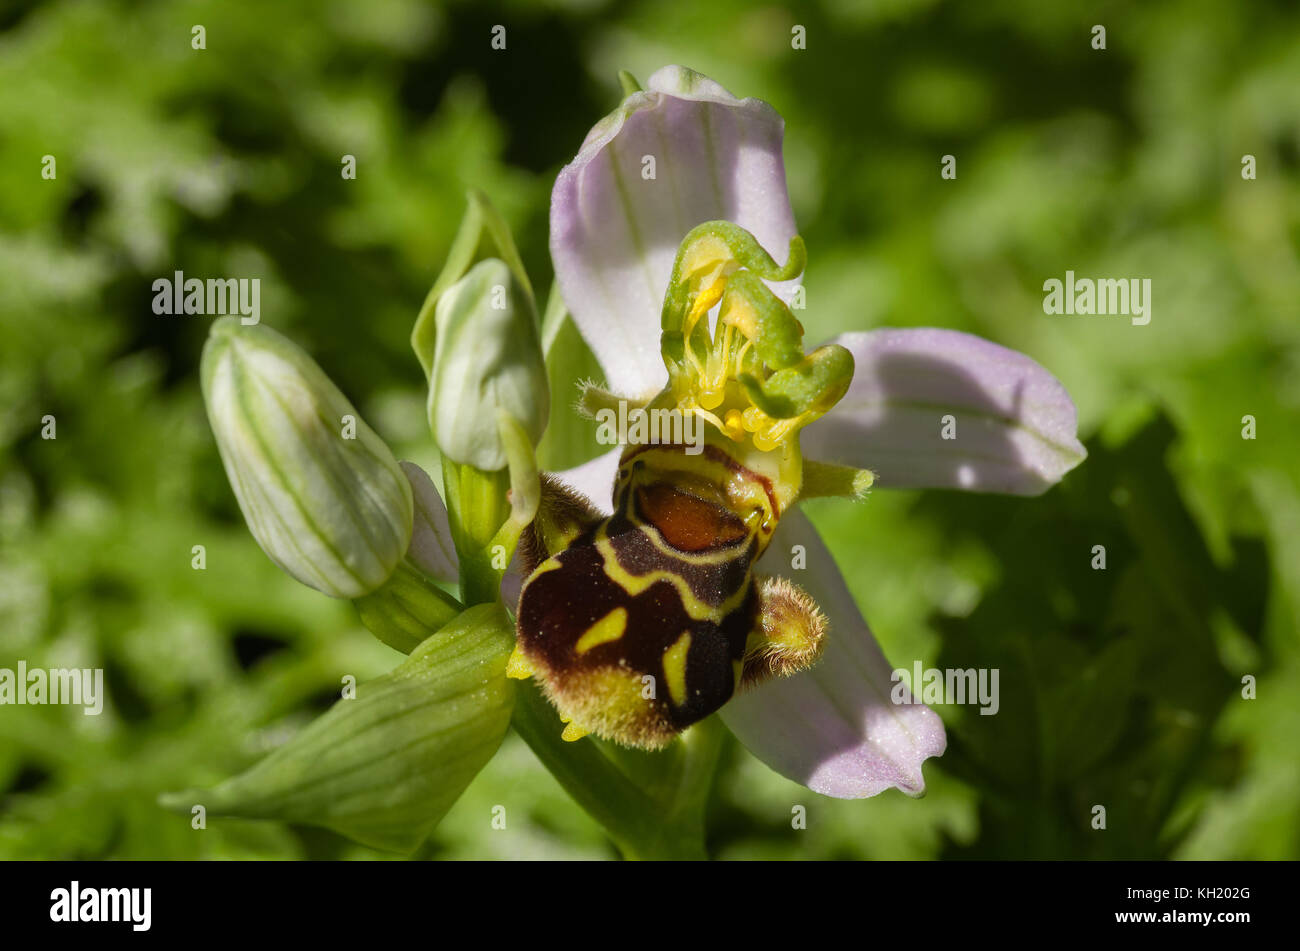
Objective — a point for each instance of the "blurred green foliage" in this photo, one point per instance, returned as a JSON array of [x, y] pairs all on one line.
[[1119, 687]]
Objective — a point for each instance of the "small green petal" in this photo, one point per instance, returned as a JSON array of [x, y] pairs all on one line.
[[628, 82], [812, 386]]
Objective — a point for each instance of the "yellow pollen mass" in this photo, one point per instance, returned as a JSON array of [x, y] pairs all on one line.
[[734, 425]]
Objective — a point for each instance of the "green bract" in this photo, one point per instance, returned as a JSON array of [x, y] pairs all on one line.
[[321, 493], [488, 359], [383, 767]]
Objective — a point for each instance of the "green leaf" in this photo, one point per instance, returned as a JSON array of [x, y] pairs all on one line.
[[385, 767], [1085, 713]]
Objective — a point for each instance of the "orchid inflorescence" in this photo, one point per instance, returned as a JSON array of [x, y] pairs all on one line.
[[642, 599]]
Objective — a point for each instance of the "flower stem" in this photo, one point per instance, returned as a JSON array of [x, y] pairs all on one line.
[[651, 804], [477, 507]]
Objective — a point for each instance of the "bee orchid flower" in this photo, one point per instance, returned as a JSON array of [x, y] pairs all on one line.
[[653, 588], [617, 243]]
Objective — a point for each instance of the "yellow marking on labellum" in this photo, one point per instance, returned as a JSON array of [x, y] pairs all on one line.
[[609, 628], [675, 668], [718, 557], [707, 476], [519, 667], [635, 584], [708, 470], [550, 564]]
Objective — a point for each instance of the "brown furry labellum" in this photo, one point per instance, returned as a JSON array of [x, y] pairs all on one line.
[[640, 624]]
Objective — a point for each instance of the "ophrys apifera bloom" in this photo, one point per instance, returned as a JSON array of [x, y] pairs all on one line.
[[687, 580]]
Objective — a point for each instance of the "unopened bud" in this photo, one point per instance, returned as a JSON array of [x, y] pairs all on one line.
[[488, 358], [321, 492]]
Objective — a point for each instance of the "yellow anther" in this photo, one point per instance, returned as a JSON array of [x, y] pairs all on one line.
[[734, 425], [711, 397], [775, 432], [754, 419], [713, 372], [703, 303]]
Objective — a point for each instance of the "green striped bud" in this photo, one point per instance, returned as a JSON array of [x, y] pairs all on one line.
[[321, 493], [488, 358]]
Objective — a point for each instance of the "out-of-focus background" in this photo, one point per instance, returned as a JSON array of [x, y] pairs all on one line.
[[1119, 687]]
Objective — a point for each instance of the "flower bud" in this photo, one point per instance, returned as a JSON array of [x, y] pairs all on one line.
[[488, 358], [321, 492]]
